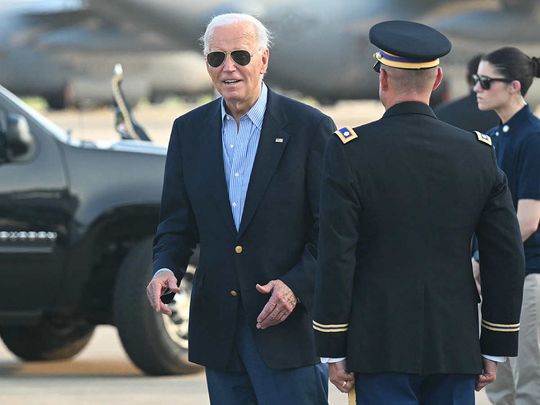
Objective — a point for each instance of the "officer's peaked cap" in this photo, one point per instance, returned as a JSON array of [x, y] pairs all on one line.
[[408, 44]]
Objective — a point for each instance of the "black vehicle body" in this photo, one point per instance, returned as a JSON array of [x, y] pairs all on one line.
[[73, 215]]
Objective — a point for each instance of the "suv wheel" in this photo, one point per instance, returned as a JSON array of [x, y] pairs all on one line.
[[51, 339], [156, 343]]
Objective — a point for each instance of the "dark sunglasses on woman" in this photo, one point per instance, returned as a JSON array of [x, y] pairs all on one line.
[[240, 57], [485, 81]]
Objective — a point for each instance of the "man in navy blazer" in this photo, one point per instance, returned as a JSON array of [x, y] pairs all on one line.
[[242, 180]]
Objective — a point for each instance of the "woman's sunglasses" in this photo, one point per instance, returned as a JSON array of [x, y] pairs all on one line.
[[240, 57], [485, 81]]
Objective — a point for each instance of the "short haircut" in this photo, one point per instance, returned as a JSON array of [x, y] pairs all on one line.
[[407, 80], [264, 36]]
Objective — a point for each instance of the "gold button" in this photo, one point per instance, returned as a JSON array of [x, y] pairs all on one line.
[[234, 293], [238, 249]]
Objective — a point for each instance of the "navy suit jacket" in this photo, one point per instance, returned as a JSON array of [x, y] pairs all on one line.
[[277, 235]]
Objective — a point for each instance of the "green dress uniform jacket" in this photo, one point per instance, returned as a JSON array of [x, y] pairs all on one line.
[[401, 199]]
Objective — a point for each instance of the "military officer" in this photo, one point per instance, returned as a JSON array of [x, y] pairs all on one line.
[[401, 197]]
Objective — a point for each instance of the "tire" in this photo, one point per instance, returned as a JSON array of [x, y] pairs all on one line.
[[62, 98], [156, 343], [50, 340], [55, 101]]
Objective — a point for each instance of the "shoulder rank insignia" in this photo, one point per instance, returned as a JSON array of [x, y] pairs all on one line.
[[346, 134], [483, 138]]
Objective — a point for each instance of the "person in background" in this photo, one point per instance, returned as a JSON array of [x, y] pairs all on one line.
[[464, 112], [503, 79], [395, 300], [242, 180]]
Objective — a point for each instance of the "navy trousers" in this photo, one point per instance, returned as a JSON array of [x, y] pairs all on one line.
[[413, 389], [260, 385]]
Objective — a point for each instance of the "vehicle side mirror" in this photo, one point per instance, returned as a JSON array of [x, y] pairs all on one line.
[[16, 141]]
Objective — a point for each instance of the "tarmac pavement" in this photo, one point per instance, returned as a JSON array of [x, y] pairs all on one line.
[[103, 375]]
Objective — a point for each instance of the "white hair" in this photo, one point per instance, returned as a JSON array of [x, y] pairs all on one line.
[[264, 36]]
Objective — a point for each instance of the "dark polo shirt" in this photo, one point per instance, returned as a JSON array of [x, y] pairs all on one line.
[[517, 147]]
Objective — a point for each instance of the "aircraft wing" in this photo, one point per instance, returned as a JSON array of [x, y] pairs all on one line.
[[79, 26]]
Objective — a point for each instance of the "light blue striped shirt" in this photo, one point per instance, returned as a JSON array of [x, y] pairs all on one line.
[[239, 149]]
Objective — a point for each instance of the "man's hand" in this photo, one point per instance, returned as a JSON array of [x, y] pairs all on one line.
[[338, 375], [279, 306], [488, 375], [157, 286]]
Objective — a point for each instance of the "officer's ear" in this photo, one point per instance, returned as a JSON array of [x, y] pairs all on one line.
[[438, 79], [383, 79]]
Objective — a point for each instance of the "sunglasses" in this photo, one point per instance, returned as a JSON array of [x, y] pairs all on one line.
[[485, 81], [377, 67], [240, 57]]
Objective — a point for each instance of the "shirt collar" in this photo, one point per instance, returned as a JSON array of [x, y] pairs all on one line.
[[517, 119], [256, 113]]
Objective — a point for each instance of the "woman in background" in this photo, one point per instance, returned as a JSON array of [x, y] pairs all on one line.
[[502, 80]]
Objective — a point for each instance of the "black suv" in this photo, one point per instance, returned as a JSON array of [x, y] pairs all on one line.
[[76, 226]]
